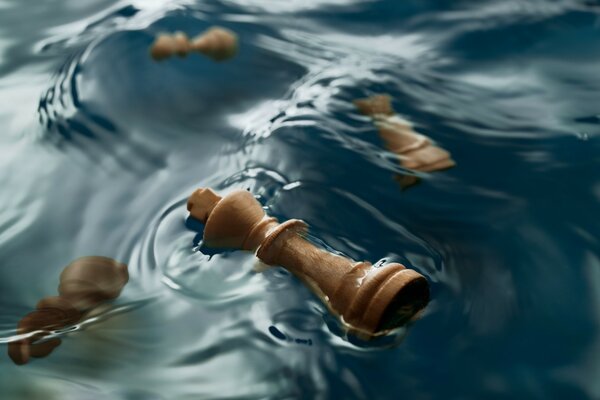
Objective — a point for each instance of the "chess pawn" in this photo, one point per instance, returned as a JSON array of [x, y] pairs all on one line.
[[90, 281], [370, 300], [416, 151], [216, 43]]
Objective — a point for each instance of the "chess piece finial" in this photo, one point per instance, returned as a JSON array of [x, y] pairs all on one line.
[[371, 300]]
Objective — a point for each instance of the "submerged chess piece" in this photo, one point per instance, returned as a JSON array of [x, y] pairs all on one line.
[[90, 281], [85, 284], [370, 300], [416, 151], [216, 43]]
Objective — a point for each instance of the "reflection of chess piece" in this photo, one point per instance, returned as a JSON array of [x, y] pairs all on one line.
[[84, 284], [216, 43], [371, 300], [416, 151]]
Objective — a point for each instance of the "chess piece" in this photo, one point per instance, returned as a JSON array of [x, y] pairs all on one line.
[[52, 313], [85, 284], [181, 44], [216, 43], [164, 47], [90, 281], [370, 300], [416, 151]]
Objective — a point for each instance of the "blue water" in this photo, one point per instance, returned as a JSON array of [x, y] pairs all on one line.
[[100, 147]]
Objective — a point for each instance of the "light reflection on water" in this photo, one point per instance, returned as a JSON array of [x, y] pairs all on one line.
[[100, 147]]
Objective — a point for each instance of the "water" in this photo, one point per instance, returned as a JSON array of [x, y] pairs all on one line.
[[100, 148]]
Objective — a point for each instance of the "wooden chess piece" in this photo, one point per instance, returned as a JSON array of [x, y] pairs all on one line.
[[161, 47], [370, 300], [85, 284], [52, 313], [164, 46], [416, 151], [216, 43], [90, 281]]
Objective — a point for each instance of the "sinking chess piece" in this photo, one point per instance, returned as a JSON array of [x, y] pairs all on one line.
[[52, 313], [416, 151], [370, 300], [90, 281], [85, 284]]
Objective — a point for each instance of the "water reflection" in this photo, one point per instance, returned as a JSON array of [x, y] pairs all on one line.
[[85, 284]]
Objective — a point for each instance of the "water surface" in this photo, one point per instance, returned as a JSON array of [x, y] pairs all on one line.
[[100, 148]]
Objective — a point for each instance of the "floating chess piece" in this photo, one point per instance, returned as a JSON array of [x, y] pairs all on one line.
[[416, 151], [85, 284], [371, 300], [216, 43]]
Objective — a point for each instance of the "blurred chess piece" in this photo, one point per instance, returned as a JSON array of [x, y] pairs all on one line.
[[217, 43], [85, 284], [166, 46], [416, 151], [370, 300], [90, 281]]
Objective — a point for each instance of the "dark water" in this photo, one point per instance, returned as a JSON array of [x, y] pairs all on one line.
[[100, 147]]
